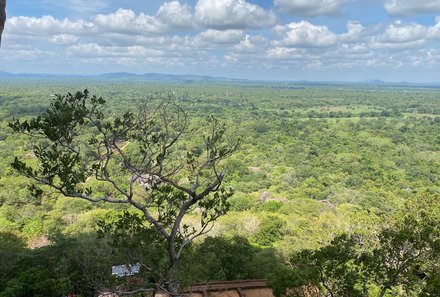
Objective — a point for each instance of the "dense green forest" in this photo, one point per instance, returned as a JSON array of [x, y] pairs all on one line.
[[336, 187]]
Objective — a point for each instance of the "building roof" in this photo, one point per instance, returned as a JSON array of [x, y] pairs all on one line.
[[126, 270]]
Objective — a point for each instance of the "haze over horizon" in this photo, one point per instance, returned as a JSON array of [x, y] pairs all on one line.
[[333, 40]]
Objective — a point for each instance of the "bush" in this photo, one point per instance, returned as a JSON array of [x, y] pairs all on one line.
[[271, 230]]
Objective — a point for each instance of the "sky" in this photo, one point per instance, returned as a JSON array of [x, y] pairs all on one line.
[[316, 40]]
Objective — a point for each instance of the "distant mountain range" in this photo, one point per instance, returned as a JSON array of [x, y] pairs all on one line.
[[125, 76], [189, 78]]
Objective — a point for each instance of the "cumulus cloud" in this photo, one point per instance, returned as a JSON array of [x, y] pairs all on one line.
[[224, 36], [232, 14], [305, 34], [48, 25], [412, 7], [170, 16], [399, 33], [402, 36], [355, 32], [281, 53], [312, 7], [251, 45], [25, 54], [355, 49], [64, 39], [244, 54], [176, 15], [434, 31], [95, 50], [126, 21]]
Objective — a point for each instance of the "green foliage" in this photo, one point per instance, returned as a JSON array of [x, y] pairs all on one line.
[[60, 162], [223, 259], [353, 160], [132, 241], [403, 258], [74, 142], [272, 206], [34, 282], [241, 202], [287, 282], [335, 268], [41, 272], [11, 248], [270, 231], [228, 258], [408, 251]]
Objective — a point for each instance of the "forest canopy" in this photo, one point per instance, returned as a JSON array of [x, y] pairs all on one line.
[[333, 185]]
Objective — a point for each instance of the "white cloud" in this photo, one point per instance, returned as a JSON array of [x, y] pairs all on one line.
[[171, 50], [87, 50], [355, 32], [225, 36], [281, 53], [356, 49], [176, 15], [246, 53], [311, 7], [24, 55], [412, 7], [64, 39], [93, 50], [232, 14], [126, 21], [170, 16], [47, 25], [434, 31], [213, 35], [304, 34], [251, 45], [400, 36], [315, 64], [398, 33], [403, 36], [398, 46]]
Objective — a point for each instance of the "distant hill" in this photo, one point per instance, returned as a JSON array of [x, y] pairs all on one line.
[[4, 74], [159, 77], [189, 78], [126, 76]]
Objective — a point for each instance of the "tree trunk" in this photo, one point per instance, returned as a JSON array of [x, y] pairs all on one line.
[[172, 290], [173, 286], [2, 18]]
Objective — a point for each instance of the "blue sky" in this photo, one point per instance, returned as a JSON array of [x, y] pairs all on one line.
[[344, 40]]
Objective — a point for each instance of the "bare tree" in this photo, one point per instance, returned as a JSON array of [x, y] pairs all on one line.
[[151, 158]]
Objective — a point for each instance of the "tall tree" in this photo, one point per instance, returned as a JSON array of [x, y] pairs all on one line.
[[151, 158]]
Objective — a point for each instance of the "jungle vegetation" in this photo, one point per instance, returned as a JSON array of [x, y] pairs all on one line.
[[336, 193]]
